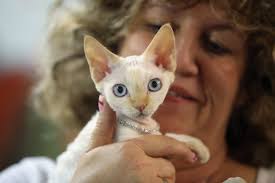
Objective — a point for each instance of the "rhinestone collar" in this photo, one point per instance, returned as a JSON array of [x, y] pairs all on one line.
[[138, 127]]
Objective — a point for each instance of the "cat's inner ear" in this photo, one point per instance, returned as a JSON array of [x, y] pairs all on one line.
[[99, 58], [162, 49]]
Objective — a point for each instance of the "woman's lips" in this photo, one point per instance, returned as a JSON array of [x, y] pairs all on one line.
[[179, 94], [173, 97]]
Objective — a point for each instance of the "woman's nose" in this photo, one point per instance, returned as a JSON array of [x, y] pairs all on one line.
[[186, 56]]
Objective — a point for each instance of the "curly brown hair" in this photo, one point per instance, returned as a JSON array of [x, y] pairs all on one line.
[[67, 95]]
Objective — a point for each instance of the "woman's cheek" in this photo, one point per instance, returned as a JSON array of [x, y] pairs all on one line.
[[221, 80]]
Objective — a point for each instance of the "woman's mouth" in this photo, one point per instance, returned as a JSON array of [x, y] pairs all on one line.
[[177, 94]]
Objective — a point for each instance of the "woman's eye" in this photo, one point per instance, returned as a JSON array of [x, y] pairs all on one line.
[[154, 85], [214, 47], [153, 27], [120, 90]]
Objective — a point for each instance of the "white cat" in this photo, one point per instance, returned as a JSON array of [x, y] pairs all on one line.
[[134, 87]]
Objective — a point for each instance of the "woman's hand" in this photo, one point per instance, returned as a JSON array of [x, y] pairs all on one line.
[[139, 160]]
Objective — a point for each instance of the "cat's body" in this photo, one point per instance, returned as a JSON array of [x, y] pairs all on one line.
[[134, 87]]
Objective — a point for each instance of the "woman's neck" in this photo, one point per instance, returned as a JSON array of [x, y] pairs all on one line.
[[232, 168], [218, 169]]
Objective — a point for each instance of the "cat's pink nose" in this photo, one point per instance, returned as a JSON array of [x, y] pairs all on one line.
[[141, 107]]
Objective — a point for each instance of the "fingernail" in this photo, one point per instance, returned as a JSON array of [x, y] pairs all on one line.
[[194, 158], [100, 103]]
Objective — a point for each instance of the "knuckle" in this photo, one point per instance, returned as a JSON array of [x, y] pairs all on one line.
[[128, 149], [93, 153], [170, 168], [138, 141], [95, 150], [139, 165], [136, 160], [127, 146]]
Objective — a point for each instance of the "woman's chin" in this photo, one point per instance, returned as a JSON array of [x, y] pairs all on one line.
[[176, 118]]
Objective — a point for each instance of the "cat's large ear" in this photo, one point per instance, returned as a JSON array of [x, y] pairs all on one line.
[[99, 58], [162, 49]]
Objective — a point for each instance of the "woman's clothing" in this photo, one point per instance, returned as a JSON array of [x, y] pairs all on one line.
[[28, 170], [266, 175], [38, 169]]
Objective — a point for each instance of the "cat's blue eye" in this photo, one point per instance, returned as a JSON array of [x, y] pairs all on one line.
[[154, 85], [120, 90]]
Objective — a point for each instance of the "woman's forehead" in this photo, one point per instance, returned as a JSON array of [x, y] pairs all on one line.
[[166, 10], [177, 5], [173, 4]]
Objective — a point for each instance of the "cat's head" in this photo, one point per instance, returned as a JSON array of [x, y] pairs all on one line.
[[136, 85]]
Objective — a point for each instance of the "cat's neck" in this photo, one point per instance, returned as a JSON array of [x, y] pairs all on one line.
[[146, 120], [142, 125]]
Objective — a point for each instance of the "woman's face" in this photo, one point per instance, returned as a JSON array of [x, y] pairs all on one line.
[[210, 63]]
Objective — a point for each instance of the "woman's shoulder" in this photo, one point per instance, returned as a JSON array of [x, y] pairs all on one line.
[[266, 175], [28, 170]]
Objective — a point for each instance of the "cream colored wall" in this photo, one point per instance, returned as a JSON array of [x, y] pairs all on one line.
[[22, 24]]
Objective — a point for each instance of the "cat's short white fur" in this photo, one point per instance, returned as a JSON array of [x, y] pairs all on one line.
[[134, 87], [235, 180]]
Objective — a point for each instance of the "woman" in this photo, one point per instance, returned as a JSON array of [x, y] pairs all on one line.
[[225, 80]]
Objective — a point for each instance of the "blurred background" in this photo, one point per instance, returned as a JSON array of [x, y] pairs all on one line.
[[22, 131]]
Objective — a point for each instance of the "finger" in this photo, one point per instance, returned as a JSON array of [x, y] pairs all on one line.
[[163, 146], [165, 168], [166, 180], [159, 180], [104, 127], [195, 144]]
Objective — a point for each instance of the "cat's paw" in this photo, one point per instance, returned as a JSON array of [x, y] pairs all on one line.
[[235, 180], [194, 144]]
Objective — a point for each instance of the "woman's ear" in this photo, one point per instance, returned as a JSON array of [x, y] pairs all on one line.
[[162, 49], [99, 58]]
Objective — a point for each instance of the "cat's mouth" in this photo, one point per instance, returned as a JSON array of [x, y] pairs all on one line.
[[142, 115]]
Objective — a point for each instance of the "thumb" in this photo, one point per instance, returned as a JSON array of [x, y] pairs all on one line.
[[105, 125]]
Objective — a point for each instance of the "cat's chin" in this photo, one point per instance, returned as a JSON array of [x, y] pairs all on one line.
[[138, 117], [142, 116]]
